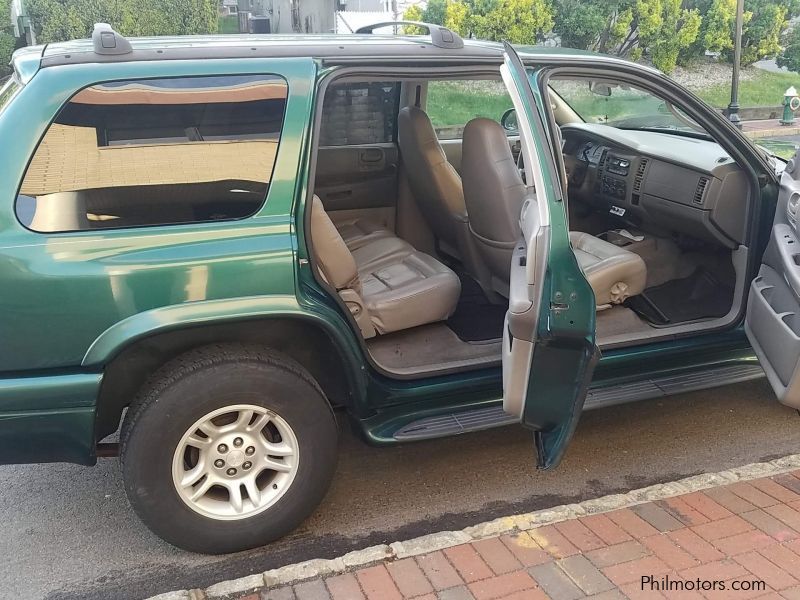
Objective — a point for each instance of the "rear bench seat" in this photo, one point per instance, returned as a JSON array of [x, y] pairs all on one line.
[[384, 281], [360, 232]]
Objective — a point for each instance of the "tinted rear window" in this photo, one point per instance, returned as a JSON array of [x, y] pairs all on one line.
[[156, 152]]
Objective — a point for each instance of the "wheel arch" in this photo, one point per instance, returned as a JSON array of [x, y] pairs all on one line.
[[307, 338]]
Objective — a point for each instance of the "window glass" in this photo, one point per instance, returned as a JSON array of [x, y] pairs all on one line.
[[360, 113], [621, 105], [156, 152], [8, 88], [452, 104]]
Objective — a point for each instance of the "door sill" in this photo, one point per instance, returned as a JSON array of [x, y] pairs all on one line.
[[455, 422]]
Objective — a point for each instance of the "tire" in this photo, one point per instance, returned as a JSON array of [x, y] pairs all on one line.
[[218, 387]]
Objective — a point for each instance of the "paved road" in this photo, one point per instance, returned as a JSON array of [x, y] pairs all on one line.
[[68, 532]]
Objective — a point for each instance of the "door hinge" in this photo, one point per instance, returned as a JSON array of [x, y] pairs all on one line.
[[559, 307], [302, 262]]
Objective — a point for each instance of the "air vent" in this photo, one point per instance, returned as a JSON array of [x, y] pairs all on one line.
[[637, 179], [791, 207], [598, 182], [700, 191]]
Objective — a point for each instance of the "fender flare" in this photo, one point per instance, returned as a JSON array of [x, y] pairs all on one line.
[[173, 317]]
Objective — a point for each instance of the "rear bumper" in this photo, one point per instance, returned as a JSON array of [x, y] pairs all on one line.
[[48, 418]]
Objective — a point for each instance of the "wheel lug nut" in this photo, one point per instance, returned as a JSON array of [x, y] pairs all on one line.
[[222, 448], [219, 463], [238, 442], [250, 450], [231, 471], [247, 465]]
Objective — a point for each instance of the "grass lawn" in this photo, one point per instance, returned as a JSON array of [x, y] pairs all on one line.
[[782, 148], [456, 102], [765, 89]]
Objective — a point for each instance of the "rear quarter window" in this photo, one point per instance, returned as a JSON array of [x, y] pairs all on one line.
[[156, 152], [360, 113], [8, 89]]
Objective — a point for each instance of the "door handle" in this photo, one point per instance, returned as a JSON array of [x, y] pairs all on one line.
[[371, 155]]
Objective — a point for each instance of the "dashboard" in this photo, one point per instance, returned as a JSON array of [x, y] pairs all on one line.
[[681, 184]]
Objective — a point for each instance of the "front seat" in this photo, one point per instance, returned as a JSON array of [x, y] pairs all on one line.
[[494, 193], [434, 182], [613, 272], [387, 285]]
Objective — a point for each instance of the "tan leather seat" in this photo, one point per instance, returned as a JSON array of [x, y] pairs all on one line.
[[359, 232], [386, 284], [434, 182], [494, 193], [613, 272]]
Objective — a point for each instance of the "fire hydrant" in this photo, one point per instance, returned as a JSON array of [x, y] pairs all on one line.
[[791, 102]]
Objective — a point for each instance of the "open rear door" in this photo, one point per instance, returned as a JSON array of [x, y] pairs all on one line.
[[773, 307], [549, 349]]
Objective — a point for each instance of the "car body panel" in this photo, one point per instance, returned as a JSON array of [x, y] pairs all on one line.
[[73, 301], [564, 352], [48, 418], [68, 288]]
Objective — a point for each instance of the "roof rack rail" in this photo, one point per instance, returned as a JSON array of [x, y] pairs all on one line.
[[441, 37], [107, 41]]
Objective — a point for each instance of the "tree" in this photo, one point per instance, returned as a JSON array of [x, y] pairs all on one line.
[[719, 22], [435, 12], [762, 32], [7, 41], [59, 20], [790, 57], [666, 28], [601, 25], [457, 17], [517, 21], [413, 13]]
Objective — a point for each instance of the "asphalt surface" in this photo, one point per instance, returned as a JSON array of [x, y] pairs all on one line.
[[68, 532]]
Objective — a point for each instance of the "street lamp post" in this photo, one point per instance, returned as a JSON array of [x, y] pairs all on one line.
[[733, 107]]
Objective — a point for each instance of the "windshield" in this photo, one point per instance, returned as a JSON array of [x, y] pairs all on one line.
[[622, 105], [8, 88]]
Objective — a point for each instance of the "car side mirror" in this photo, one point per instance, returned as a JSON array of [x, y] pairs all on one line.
[[509, 120], [600, 89]]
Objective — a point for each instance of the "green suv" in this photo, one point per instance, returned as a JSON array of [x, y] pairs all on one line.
[[218, 247]]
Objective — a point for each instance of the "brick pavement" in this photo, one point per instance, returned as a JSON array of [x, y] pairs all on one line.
[[745, 534]]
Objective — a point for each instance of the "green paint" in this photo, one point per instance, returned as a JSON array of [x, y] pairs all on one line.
[[72, 301]]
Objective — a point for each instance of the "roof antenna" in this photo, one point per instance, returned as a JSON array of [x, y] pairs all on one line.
[[107, 41]]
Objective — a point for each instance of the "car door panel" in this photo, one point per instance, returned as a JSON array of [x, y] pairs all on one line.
[[773, 307], [358, 180], [549, 349]]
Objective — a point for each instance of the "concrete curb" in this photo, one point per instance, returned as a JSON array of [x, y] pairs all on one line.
[[446, 539]]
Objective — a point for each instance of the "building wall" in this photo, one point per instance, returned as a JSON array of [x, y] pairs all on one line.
[[294, 16]]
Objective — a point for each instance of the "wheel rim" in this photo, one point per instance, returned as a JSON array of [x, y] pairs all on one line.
[[235, 462]]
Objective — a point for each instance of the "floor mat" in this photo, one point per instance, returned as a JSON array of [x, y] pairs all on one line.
[[698, 296], [476, 319]]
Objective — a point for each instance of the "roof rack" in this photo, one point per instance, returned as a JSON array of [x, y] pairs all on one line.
[[107, 41], [441, 37]]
